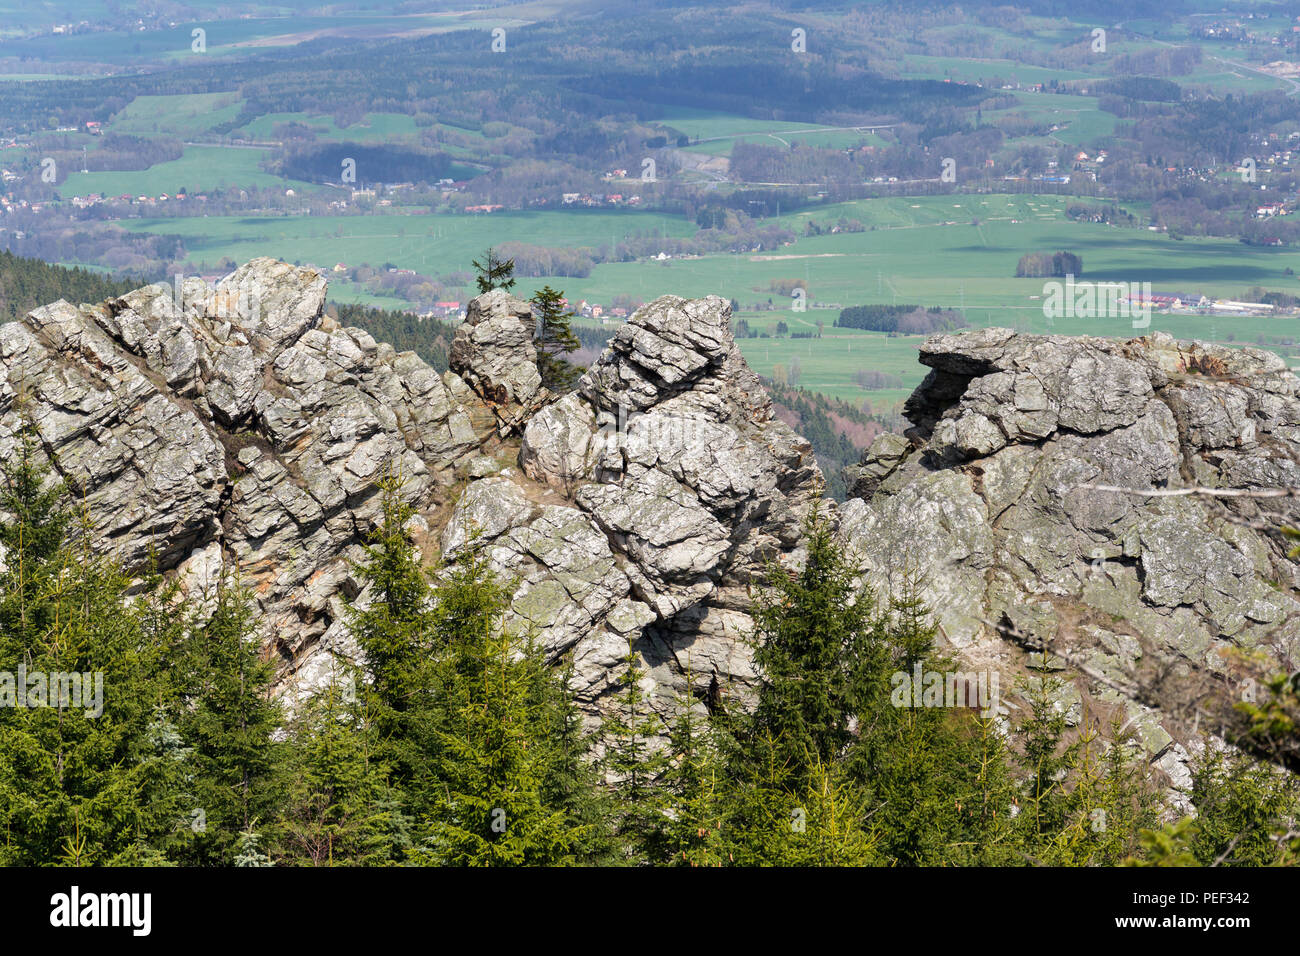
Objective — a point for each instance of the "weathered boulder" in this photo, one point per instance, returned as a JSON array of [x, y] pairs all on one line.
[[991, 499], [494, 354], [143, 459]]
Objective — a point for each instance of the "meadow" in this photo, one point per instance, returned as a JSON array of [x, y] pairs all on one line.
[[185, 115], [432, 244], [1083, 122], [960, 69], [929, 251], [925, 251], [708, 124], [200, 168]]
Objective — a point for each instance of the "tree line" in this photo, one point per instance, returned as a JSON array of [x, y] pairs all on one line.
[[26, 284], [903, 319], [1041, 264]]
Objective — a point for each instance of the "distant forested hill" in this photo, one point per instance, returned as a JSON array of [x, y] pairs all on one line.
[[28, 283], [839, 432]]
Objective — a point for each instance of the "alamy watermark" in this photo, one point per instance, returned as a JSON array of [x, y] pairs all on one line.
[[219, 303], [129, 910], [1098, 300], [61, 689], [658, 430], [923, 688]]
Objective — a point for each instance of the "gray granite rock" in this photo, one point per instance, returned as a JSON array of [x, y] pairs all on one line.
[[986, 501], [232, 428]]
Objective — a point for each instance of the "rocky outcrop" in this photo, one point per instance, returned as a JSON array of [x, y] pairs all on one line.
[[233, 427], [237, 429], [494, 355], [646, 502], [992, 497]]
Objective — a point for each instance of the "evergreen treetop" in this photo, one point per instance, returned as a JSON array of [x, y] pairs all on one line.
[[494, 272]]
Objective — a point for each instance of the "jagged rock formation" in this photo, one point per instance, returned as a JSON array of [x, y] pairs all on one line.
[[233, 427], [494, 355], [649, 499], [986, 497], [238, 429]]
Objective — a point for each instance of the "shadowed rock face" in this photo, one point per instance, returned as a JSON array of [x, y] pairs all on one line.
[[493, 353], [984, 498]]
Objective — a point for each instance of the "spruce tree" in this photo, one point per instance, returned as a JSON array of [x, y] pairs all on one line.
[[167, 792], [554, 339], [827, 827], [693, 784], [821, 662], [935, 776], [229, 718], [1245, 811], [814, 818], [634, 764], [495, 761], [494, 272], [81, 780], [394, 630], [1106, 800], [1043, 759], [339, 810], [571, 779], [818, 654], [31, 540]]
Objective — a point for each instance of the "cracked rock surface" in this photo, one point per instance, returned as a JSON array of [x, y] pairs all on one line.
[[677, 485], [237, 429], [985, 496], [228, 427]]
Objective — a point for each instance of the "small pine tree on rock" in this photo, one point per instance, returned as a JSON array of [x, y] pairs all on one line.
[[494, 272]]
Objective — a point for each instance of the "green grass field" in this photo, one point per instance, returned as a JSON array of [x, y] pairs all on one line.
[[923, 251], [824, 139], [704, 124], [432, 244], [957, 265], [185, 115], [915, 250], [1082, 120], [199, 169], [923, 67]]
